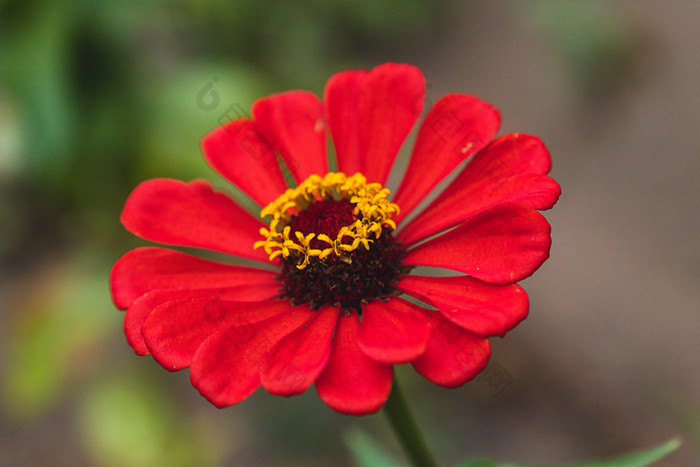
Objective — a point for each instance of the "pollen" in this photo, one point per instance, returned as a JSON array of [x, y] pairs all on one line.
[[326, 217]]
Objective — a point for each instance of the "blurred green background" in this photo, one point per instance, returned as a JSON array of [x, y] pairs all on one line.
[[96, 96]]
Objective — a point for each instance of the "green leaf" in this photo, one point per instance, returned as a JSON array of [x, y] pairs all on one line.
[[638, 459], [483, 463], [366, 452]]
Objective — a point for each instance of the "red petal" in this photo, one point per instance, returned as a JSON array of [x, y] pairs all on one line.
[[295, 362], [453, 356], [456, 127], [511, 169], [225, 368], [396, 331], [191, 214], [390, 104], [342, 109], [512, 154], [294, 121], [147, 269], [352, 383], [245, 154], [478, 307], [142, 307], [174, 331], [500, 245]]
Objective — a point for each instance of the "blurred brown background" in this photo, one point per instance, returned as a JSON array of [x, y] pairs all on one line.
[[97, 96]]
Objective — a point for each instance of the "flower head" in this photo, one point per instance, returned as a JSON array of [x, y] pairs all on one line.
[[326, 308]]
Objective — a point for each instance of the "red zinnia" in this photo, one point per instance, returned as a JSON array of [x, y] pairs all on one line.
[[329, 311]]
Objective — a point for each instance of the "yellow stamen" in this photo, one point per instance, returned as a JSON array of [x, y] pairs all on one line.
[[371, 209]]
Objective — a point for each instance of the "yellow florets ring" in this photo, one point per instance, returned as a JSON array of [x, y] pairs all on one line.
[[372, 213]]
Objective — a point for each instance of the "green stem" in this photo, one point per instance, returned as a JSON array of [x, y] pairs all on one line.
[[406, 429]]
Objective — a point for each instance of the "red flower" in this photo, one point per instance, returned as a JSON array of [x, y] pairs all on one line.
[[325, 309]]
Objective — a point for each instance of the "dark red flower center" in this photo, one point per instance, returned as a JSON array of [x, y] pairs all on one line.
[[323, 217], [333, 280]]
